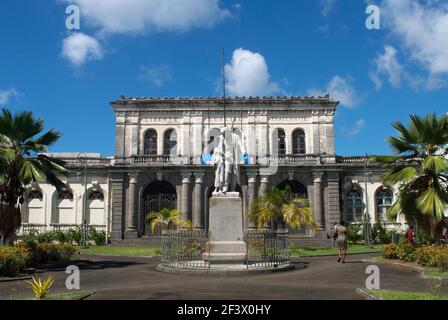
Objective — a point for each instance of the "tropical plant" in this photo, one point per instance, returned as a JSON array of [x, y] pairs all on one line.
[[167, 219], [420, 169], [22, 162], [40, 289], [278, 207]]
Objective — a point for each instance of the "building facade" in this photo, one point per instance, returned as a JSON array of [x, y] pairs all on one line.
[[162, 152]]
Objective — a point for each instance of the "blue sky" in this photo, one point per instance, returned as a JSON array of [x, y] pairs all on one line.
[[173, 47]]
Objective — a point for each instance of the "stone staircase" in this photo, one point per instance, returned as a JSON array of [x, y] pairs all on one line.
[[308, 242]]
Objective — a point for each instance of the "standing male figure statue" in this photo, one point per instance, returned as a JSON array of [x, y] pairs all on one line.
[[226, 157]]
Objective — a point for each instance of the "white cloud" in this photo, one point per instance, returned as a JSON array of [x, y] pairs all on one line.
[[421, 29], [387, 64], [137, 16], [248, 75], [79, 48], [341, 89], [9, 94], [355, 129], [327, 6], [156, 75]]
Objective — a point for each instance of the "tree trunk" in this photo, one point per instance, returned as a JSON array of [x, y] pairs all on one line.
[[10, 221]]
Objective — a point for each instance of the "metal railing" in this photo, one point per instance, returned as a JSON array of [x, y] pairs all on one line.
[[188, 249], [267, 248], [185, 249]]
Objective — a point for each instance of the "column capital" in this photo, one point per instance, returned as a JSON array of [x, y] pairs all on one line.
[[251, 176], [186, 177], [199, 177], [264, 179], [133, 177], [317, 176]]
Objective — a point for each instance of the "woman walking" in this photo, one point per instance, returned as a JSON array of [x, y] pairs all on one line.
[[341, 241]]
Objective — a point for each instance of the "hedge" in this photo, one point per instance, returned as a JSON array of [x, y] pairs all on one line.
[[15, 259], [430, 256]]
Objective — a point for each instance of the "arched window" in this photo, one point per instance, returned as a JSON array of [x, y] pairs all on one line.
[[384, 199], [298, 142], [354, 206], [35, 209], [65, 208], [96, 195], [35, 195], [150, 143], [170, 142], [281, 142], [96, 215], [65, 195]]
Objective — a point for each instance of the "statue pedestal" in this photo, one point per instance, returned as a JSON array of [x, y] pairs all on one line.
[[226, 243]]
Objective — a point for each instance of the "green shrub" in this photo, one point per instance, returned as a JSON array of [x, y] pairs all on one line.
[[76, 234], [13, 260], [44, 253], [99, 237], [421, 238], [354, 233], [379, 234], [45, 237], [29, 238], [61, 236]]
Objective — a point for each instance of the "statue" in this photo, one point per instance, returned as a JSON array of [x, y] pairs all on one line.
[[226, 157]]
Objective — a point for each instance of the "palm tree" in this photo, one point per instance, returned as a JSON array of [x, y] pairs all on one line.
[[279, 207], [419, 168], [167, 219], [22, 162]]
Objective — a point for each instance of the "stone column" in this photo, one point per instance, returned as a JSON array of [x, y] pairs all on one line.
[[186, 195], [333, 195], [317, 208], [198, 219], [264, 185], [131, 219], [117, 212], [251, 180]]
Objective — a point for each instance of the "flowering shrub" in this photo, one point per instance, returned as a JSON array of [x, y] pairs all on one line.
[[426, 255], [390, 251], [14, 259]]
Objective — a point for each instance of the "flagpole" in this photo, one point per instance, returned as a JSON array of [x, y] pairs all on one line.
[[224, 86]]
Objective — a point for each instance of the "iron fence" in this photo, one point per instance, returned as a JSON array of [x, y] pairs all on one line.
[[185, 249], [267, 248], [188, 249]]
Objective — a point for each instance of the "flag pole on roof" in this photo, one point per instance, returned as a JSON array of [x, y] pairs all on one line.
[[224, 86]]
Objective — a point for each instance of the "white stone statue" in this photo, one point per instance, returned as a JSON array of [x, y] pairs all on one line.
[[226, 157]]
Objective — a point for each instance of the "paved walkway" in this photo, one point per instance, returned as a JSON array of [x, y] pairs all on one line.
[[137, 278]]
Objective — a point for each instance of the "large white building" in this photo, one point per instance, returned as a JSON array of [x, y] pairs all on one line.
[[161, 157]]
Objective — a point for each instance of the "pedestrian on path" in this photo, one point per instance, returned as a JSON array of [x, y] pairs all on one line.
[[341, 241], [410, 235]]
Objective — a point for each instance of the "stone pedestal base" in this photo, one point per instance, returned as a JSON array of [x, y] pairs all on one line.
[[130, 234], [226, 234]]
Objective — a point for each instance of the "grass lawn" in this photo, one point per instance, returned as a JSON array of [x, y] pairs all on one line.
[[398, 295], [430, 272], [309, 252], [152, 251], [121, 251], [435, 273]]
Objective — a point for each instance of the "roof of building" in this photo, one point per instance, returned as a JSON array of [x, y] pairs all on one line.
[[325, 98]]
